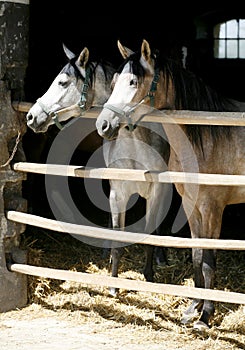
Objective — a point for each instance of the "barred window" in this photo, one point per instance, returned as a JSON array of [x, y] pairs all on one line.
[[229, 39]]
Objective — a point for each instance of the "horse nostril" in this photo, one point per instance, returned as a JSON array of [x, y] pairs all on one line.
[[29, 117], [105, 126]]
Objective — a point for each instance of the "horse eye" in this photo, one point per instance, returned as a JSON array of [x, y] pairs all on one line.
[[63, 83], [133, 82]]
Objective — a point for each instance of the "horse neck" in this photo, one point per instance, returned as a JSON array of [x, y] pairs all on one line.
[[183, 154], [101, 93], [164, 97], [102, 85]]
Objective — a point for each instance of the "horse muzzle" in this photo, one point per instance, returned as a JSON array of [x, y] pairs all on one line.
[[36, 124], [107, 130]]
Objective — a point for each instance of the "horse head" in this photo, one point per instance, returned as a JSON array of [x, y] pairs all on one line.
[[134, 91], [81, 81]]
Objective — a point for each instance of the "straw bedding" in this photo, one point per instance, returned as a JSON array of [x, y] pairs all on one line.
[[145, 317]]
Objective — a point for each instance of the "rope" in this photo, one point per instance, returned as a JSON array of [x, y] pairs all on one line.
[[13, 152]]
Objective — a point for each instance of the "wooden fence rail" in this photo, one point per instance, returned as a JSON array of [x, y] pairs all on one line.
[[130, 237], [125, 236], [164, 116], [131, 174], [141, 286], [180, 117]]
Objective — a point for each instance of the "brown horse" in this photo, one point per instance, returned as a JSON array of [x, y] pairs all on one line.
[[146, 79]]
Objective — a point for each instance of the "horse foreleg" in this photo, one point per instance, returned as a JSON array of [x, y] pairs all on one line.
[[205, 223], [156, 210], [212, 220], [195, 223], [152, 206], [107, 244], [118, 212], [196, 305], [148, 267], [208, 270], [163, 200], [203, 279]]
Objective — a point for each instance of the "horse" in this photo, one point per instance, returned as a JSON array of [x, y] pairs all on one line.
[[89, 83], [82, 82], [143, 148], [193, 148]]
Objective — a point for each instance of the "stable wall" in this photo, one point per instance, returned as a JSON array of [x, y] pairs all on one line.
[[14, 16]]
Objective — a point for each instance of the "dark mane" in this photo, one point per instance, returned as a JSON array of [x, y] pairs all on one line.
[[71, 69], [191, 93], [136, 68]]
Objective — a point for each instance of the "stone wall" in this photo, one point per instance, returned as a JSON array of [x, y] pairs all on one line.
[[14, 19]]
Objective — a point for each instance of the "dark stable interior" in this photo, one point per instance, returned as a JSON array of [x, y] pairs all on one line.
[[98, 26]]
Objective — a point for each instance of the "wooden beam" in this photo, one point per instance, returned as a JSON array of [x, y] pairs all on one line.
[[124, 236], [164, 116], [22, 106], [131, 174], [196, 117], [141, 286]]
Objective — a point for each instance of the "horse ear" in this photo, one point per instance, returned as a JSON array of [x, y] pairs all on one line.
[[83, 58], [146, 51], [114, 79], [125, 52], [69, 54]]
